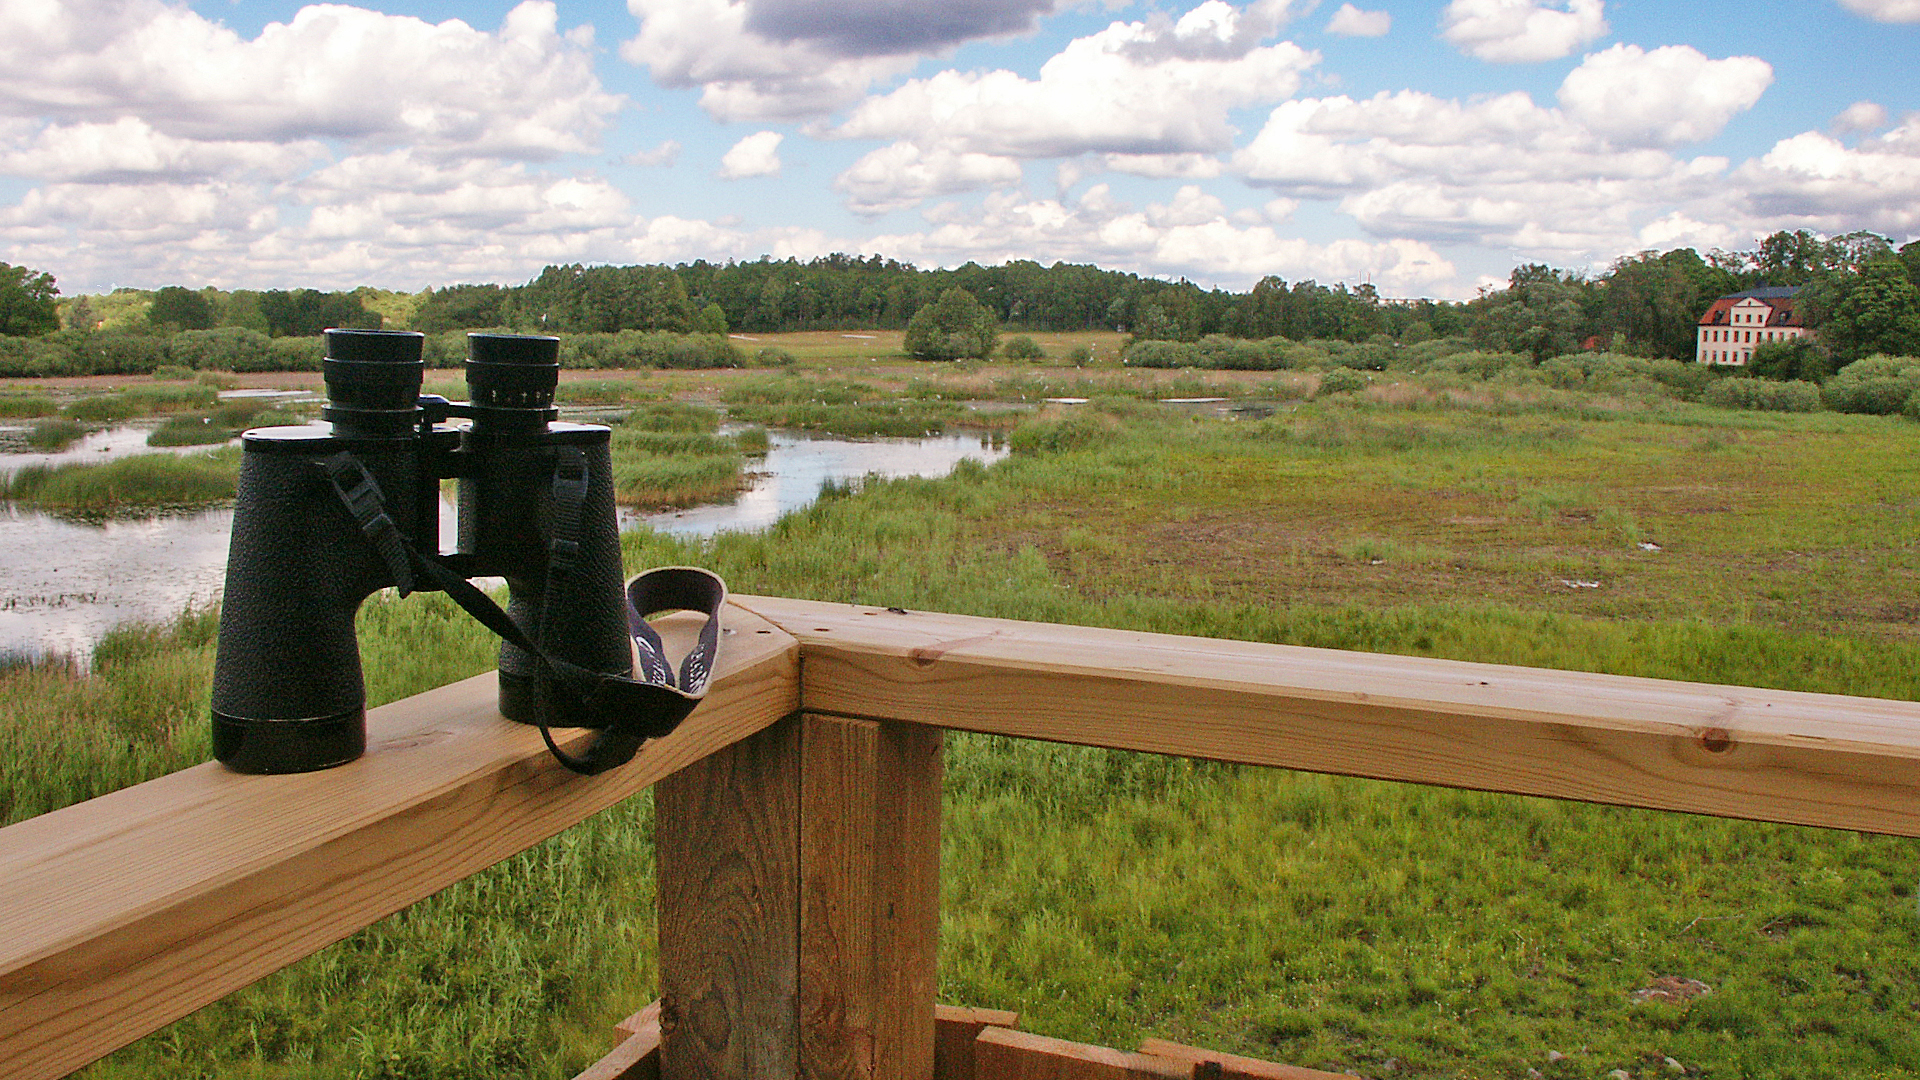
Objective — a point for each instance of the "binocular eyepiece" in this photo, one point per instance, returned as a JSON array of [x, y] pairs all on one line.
[[327, 514]]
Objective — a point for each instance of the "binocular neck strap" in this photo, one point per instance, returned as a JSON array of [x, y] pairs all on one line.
[[625, 712]]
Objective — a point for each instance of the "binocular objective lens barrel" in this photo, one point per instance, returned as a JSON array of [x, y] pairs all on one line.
[[373, 381], [510, 378]]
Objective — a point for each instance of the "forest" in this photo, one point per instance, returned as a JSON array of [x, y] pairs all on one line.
[[1860, 292]]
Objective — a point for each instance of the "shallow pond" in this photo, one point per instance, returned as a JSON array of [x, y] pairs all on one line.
[[64, 583]]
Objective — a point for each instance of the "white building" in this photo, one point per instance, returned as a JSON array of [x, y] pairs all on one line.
[[1736, 323]]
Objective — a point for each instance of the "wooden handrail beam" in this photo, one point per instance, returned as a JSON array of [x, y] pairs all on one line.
[[1772, 755], [122, 913]]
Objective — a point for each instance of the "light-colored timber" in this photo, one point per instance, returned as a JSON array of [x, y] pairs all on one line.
[[955, 1029], [1234, 1067], [1771, 755], [125, 912], [1001, 1054], [869, 898]]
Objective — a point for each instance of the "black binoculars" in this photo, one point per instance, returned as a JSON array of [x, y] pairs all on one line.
[[327, 514]]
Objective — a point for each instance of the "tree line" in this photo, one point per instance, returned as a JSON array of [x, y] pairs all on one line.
[[1861, 293]]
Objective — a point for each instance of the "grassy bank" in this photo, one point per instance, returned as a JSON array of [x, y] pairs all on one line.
[[1388, 930], [130, 484]]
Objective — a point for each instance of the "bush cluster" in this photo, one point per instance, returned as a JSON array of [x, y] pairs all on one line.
[[1881, 385], [233, 348], [1613, 371], [1763, 395]]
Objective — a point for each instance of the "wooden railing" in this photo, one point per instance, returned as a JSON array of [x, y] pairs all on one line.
[[798, 815]]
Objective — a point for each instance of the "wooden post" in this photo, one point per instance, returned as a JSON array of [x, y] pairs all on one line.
[[727, 841], [869, 898], [799, 905]]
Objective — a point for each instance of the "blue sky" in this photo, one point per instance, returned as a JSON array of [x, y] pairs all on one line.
[[1425, 148]]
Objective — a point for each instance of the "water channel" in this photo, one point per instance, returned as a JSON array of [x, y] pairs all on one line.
[[64, 583]]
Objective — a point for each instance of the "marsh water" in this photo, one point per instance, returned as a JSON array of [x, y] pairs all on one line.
[[64, 583]]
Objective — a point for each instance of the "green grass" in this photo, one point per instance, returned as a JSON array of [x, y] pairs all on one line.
[[129, 484], [54, 434], [668, 455], [146, 400], [26, 405], [1322, 921], [224, 421]]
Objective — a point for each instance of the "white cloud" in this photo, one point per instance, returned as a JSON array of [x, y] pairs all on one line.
[[1859, 118], [1501, 172], [1522, 31], [1891, 11], [1190, 235], [745, 75], [903, 174], [1814, 181], [1350, 21], [1666, 97], [1165, 166], [130, 150], [332, 72], [1132, 88], [660, 156], [756, 155]]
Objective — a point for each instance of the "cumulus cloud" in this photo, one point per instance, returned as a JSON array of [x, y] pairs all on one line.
[[1522, 31], [1502, 172], [742, 74], [1133, 88], [1666, 97], [1189, 235], [1350, 21], [1859, 118], [334, 72], [1814, 181], [130, 150], [1890, 11], [660, 156], [889, 27], [756, 155], [903, 174]]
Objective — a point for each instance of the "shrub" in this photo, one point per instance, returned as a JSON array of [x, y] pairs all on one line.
[[1762, 395], [1613, 371], [1022, 347], [952, 327], [1158, 354], [773, 356], [1050, 434], [1341, 380], [1878, 384], [1484, 365], [230, 348]]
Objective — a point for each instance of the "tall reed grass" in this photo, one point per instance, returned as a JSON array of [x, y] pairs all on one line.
[[141, 482]]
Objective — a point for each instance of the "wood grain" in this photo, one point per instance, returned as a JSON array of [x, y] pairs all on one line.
[[1812, 759], [1233, 1067], [1002, 1054], [870, 899], [125, 912], [728, 841], [955, 1027], [636, 1058]]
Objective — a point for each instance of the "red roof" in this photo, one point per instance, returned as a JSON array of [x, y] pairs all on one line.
[[1780, 314]]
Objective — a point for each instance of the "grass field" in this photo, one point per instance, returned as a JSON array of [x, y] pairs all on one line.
[[1388, 930]]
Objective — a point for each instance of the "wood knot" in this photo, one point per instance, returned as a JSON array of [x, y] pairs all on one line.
[[1716, 740]]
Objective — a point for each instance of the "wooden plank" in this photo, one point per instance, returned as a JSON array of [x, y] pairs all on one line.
[[647, 1019], [1002, 1054], [728, 842], [869, 898], [636, 1058], [128, 911], [1234, 1067], [955, 1027], [1812, 759]]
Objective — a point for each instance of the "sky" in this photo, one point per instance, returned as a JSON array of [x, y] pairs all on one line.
[[1425, 148]]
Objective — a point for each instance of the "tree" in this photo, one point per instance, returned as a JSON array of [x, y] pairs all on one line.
[[1876, 310], [27, 305], [178, 308], [1656, 300], [951, 327], [1540, 313], [1795, 358]]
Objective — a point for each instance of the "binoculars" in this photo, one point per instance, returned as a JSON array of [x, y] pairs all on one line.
[[327, 514]]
